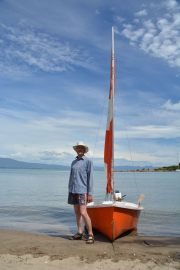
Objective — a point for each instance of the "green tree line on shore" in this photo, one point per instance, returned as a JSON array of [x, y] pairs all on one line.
[[168, 168]]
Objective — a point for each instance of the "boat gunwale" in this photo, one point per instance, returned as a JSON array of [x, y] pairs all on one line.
[[137, 208]]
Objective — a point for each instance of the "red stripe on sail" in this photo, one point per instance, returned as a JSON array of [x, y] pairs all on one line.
[[108, 157]]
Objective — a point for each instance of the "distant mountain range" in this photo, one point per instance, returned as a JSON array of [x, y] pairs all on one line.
[[8, 163]]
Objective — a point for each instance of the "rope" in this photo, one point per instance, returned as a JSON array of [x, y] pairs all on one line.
[[97, 135]]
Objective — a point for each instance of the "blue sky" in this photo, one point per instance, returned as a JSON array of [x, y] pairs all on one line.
[[54, 79]]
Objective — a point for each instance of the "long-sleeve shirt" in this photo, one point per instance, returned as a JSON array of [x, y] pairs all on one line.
[[81, 176]]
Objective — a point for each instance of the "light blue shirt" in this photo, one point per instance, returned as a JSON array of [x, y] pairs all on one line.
[[81, 176]]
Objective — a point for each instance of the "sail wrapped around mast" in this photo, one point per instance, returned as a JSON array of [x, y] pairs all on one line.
[[109, 136]]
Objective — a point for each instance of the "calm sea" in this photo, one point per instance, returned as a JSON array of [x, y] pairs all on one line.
[[36, 200]]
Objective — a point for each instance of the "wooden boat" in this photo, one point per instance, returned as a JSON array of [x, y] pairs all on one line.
[[114, 216]]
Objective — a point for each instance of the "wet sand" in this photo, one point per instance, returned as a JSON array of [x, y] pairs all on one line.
[[21, 250]]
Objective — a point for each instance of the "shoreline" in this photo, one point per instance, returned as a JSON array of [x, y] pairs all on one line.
[[22, 250], [144, 171]]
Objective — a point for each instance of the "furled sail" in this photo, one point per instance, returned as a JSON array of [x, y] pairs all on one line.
[[109, 136]]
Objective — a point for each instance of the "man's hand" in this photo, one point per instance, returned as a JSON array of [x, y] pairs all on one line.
[[89, 198]]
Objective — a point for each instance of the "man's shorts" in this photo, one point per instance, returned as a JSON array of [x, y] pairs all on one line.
[[77, 199]]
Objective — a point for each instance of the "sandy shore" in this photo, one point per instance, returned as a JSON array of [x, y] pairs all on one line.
[[22, 251]]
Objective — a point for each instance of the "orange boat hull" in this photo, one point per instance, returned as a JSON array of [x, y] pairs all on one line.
[[113, 221]]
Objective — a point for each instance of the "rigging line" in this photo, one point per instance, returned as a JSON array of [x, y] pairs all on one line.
[[97, 133], [131, 159], [125, 128], [132, 164], [129, 148]]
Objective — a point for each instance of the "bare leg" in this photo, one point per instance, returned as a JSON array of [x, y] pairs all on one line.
[[86, 218], [78, 218]]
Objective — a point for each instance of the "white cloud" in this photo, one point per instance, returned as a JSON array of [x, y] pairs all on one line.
[[141, 13], [46, 155], [119, 19], [149, 26], [151, 132], [66, 119], [50, 139], [171, 106], [52, 123], [160, 36], [156, 118], [132, 34], [171, 4], [24, 48], [36, 130]]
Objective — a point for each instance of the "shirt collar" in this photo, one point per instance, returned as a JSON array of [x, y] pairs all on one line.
[[83, 157]]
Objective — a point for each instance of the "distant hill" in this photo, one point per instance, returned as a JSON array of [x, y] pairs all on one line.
[[133, 168], [168, 168], [9, 163]]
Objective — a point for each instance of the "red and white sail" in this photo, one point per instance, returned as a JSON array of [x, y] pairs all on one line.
[[109, 137]]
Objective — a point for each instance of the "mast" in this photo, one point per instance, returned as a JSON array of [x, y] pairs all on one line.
[[113, 88], [109, 137]]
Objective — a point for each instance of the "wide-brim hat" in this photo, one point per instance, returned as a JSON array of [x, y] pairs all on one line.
[[81, 144]]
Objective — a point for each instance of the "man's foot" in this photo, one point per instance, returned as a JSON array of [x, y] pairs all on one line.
[[77, 236], [90, 239]]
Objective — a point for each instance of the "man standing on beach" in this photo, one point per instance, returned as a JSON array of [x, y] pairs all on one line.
[[80, 190]]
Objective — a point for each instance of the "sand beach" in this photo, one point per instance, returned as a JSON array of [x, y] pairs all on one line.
[[24, 250]]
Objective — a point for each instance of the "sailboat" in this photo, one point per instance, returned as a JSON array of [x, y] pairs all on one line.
[[114, 216]]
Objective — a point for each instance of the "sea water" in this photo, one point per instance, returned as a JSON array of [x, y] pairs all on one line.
[[36, 200]]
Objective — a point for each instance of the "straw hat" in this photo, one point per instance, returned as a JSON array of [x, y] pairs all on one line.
[[81, 144]]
